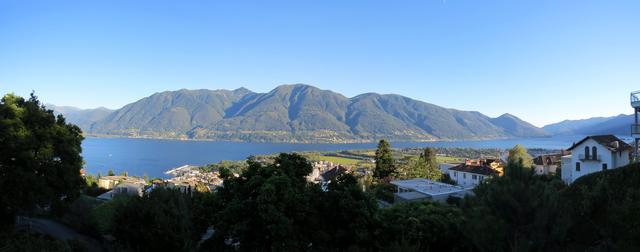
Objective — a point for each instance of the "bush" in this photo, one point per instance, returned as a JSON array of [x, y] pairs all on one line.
[[383, 191]]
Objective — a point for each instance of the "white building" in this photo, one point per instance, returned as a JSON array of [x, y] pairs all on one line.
[[471, 175], [594, 154], [420, 189]]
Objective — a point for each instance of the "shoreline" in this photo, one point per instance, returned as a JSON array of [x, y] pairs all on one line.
[[308, 142]]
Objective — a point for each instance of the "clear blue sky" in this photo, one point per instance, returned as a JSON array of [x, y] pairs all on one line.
[[541, 60]]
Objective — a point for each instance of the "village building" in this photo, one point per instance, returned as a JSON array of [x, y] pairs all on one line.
[[593, 154], [548, 163], [471, 174]]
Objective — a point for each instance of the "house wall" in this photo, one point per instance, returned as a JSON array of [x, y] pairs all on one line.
[[466, 179], [545, 169], [106, 183], [567, 169]]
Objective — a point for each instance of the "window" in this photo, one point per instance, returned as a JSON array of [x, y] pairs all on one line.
[[481, 178], [604, 167], [586, 153], [464, 175], [578, 166], [594, 153], [474, 177], [455, 174]]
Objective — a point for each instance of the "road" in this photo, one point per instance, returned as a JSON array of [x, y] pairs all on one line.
[[55, 230]]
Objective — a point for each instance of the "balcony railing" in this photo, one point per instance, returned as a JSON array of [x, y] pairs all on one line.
[[591, 158], [635, 130], [635, 99]]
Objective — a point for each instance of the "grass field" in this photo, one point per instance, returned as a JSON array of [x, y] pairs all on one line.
[[340, 160], [441, 159]]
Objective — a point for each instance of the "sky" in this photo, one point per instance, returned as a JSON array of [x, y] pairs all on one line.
[[542, 60]]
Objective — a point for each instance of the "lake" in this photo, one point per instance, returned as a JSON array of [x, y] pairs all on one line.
[[152, 157]]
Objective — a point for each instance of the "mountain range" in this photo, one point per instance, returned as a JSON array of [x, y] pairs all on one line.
[[293, 113], [617, 125]]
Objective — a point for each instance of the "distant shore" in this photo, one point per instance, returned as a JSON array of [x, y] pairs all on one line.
[[294, 141]]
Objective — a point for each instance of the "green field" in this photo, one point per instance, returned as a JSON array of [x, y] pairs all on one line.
[[340, 160], [441, 159]]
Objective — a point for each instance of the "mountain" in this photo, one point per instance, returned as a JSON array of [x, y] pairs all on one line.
[[301, 113], [84, 118], [617, 125], [571, 127], [517, 127], [169, 114]]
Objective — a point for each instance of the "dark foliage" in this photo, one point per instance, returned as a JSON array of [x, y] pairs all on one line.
[[40, 158], [159, 221]]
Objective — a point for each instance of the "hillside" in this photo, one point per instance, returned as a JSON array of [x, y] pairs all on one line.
[[301, 113], [84, 118], [570, 127]]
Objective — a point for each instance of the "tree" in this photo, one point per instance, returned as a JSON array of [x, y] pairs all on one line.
[[519, 162], [429, 156], [271, 207], [424, 166], [418, 167], [602, 211], [345, 217], [515, 213], [385, 165], [110, 173], [266, 208], [159, 221], [421, 226], [40, 158]]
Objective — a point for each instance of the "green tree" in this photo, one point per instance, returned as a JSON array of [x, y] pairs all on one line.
[[345, 217], [515, 213], [519, 162], [601, 211], [271, 207], [418, 167], [110, 173], [424, 166], [40, 158], [385, 164], [421, 226], [266, 208], [429, 156], [159, 221]]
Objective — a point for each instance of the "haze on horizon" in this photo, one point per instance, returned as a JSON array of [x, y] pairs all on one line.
[[543, 61]]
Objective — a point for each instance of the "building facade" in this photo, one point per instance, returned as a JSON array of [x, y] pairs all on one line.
[[594, 154], [469, 175], [549, 163]]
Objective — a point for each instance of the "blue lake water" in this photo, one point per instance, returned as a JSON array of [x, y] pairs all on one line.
[[153, 157]]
